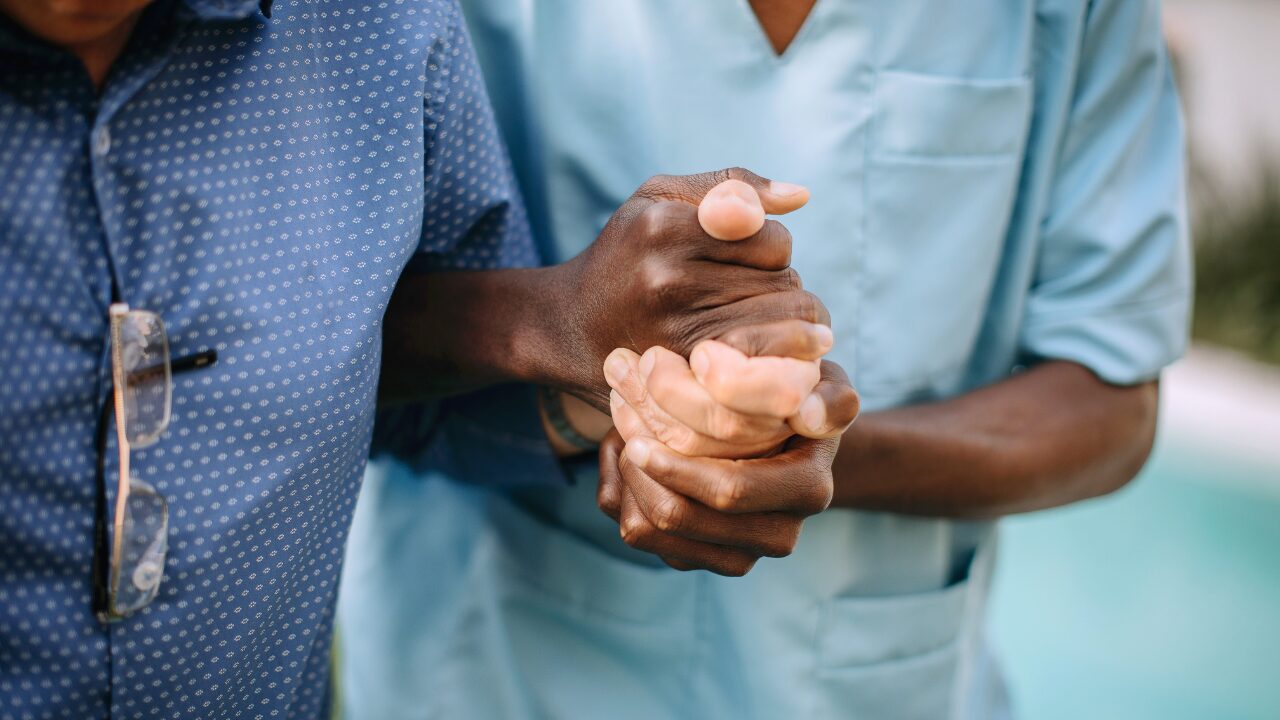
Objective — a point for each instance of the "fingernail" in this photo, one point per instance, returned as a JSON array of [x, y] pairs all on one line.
[[639, 451], [826, 338], [698, 362], [615, 368], [646, 363], [784, 189], [813, 412]]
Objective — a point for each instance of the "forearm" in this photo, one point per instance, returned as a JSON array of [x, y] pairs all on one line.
[[450, 332], [1050, 436]]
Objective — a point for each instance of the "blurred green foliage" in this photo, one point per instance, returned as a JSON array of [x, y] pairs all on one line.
[[1238, 269]]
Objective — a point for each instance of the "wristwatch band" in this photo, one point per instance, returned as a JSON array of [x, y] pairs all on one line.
[[553, 406]]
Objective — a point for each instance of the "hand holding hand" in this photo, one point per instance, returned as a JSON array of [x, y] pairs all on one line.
[[729, 404], [720, 511], [671, 269]]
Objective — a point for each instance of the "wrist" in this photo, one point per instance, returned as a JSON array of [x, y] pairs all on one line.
[[552, 347], [855, 465], [537, 310]]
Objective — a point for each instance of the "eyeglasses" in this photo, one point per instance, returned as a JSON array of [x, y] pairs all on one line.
[[141, 376]]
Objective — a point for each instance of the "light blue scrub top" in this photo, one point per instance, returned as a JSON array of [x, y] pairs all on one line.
[[992, 183]]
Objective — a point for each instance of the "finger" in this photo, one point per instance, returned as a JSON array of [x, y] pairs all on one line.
[[769, 534], [637, 414], [769, 386], [787, 338], [830, 409], [778, 198], [764, 310], [678, 552], [672, 387], [796, 480], [688, 285], [712, 283], [609, 492], [676, 225], [631, 408], [627, 420], [623, 378]]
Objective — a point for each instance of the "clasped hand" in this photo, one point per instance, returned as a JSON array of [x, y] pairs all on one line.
[[716, 461]]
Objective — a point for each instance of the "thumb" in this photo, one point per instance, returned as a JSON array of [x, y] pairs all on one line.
[[777, 198], [731, 211]]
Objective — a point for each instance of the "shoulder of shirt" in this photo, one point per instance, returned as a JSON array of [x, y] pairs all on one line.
[[430, 19]]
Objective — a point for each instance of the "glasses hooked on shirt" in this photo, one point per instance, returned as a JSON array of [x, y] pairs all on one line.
[[141, 394]]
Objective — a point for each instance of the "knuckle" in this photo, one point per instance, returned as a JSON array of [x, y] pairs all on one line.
[[735, 567], [607, 507], [679, 564], [636, 532], [819, 309], [737, 172], [792, 279], [655, 221], [609, 500], [669, 514], [779, 241], [686, 445], [817, 496], [743, 339], [757, 343], [807, 306], [777, 549], [728, 490], [850, 405], [662, 283], [679, 438], [654, 186], [783, 543]]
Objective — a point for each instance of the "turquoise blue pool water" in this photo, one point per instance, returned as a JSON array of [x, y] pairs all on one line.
[[1160, 602]]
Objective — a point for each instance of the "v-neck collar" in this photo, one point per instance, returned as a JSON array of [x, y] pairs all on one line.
[[762, 35]]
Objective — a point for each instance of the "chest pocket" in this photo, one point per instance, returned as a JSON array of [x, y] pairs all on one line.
[[944, 158]]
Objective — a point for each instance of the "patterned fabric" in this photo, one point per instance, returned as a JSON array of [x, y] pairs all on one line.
[[260, 182]]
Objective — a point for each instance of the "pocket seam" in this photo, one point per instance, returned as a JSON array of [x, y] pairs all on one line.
[[902, 662], [942, 83]]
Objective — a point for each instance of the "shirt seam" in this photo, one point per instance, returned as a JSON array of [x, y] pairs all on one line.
[[1132, 307]]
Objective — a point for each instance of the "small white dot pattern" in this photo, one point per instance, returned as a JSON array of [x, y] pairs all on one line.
[[260, 183]]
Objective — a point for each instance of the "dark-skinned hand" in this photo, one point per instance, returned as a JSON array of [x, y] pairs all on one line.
[[711, 513], [656, 277]]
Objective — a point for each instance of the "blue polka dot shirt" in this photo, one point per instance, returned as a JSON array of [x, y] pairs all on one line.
[[259, 177]]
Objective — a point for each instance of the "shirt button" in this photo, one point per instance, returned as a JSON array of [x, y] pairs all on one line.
[[102, 141]]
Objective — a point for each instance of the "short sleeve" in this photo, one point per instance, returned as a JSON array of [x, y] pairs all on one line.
[[1113, 277], [473, 217]]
